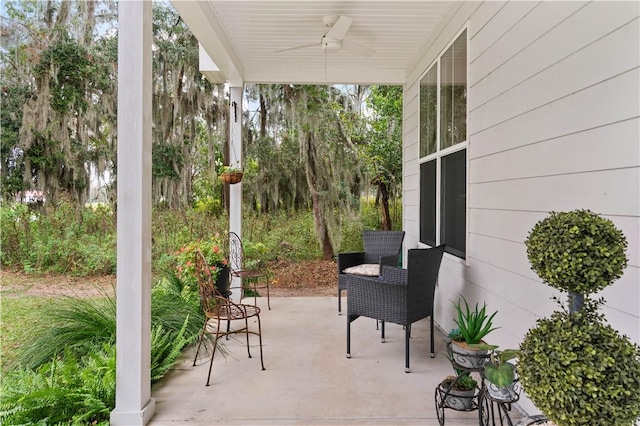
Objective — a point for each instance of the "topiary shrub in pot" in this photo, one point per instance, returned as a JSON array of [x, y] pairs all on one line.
[[578, 252], [573, 366]]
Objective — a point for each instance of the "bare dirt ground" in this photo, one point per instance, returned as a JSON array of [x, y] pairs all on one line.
[[290, 279]]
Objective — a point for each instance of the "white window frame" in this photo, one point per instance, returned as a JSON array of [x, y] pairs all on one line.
[[440, 153]]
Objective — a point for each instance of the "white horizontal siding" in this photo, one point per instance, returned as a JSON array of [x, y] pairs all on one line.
[[481, 16], [536, 20], [612, 192], [572, 34], [502, 23], [514, 226], [625, 323], [567, 115], [554, 124], [561, 80], [612, 146]]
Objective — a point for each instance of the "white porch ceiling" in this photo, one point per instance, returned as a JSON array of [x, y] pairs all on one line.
[[242, 38]]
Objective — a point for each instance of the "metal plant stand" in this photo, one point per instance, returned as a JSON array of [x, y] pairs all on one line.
[[444, 398], [495, 411], [492, 410]]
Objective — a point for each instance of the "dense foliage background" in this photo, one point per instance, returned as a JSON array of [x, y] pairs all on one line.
[[307, 148], [320, 164]]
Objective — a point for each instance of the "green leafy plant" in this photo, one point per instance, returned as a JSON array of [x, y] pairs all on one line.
[[70, 324], [230, 169], [473, 325], [464, 383], [575, 367], [579, 371], [66, 390], [498, 371], [456, 335], [577, 251], [66, 371], [78, 324], [184, 259]]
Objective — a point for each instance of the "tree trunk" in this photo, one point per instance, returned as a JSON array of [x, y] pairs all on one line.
[[386, 217], [322, 229]]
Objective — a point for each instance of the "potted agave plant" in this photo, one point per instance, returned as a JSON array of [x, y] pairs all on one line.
[[501, 375], [459, 391], [473, 326]]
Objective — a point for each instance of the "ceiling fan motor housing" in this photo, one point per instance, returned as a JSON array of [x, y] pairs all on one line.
[[330, 44]]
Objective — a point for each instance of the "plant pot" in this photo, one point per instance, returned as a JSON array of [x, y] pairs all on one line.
[[468, 358], [509, 393], [457, 399], [222, 280], [231, 177]]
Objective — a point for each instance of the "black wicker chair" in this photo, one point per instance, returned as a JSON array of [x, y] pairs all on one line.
[[401, 296], [380, 247]]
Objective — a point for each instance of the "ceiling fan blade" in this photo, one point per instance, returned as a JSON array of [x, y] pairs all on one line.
[[339, 28], [358, 49], [304, 46]]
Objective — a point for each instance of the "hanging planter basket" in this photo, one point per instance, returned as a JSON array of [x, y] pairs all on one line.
[[231, 177]]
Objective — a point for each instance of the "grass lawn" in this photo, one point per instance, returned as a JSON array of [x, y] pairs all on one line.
[[18, 315]]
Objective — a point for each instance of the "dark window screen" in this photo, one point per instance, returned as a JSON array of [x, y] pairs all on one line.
[[428, 203], [453, 203]]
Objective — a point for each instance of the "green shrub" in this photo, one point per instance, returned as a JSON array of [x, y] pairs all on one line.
[[69, 324], [66, 371], [83, 242], [575, 367], [577, 251], [78, 324], [66, 390], [579, 371], [213, 249]]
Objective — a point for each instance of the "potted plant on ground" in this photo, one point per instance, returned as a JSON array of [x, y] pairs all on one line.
[[459, 391], [230, 174], [573, 366], [501, 375], [473, 326], [211, 248]]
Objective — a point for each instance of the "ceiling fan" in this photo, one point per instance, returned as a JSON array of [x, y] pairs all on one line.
[[333, 40]]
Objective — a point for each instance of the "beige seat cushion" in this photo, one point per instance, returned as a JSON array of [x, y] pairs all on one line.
[[366, 269]]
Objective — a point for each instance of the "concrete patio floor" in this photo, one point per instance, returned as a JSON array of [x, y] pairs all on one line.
[[308, 379]]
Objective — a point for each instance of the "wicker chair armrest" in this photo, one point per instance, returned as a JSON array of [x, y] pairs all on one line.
[[347, 260], [375, 298], [391, 260], [393, 274]]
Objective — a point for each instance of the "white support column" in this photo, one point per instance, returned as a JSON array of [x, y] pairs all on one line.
[[134, 405], [235, 159]]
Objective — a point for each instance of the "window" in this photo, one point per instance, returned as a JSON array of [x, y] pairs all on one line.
[[443, 150]]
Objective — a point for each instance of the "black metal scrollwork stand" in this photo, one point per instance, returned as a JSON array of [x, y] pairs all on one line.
[[492, 410]]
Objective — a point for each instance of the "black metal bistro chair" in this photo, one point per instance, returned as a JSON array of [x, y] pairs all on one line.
[[220, 311], [380, 248], [253, 279], [400, 296]]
